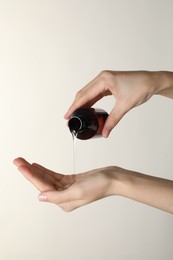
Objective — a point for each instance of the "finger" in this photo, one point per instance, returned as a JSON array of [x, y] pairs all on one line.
[[47, 171], [51, 176], [20, 161], [38, 171], [35, 178], [114, 117], [60, 197], [87, 96], [67, 206], [83, 102], [55, 179], [60, 181]]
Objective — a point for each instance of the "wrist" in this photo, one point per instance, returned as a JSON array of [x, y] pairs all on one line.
[[125, 182], [163, 83], [119, 181]]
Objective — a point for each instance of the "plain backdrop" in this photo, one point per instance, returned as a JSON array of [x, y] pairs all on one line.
[[49, 49]]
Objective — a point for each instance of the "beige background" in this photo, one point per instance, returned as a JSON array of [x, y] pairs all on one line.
[[48, 51]]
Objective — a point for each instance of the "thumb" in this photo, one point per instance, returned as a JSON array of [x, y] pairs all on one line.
[[114, 117], [57, 197]]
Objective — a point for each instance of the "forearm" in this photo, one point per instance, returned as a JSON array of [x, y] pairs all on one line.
[[153, 191], [163, 81]]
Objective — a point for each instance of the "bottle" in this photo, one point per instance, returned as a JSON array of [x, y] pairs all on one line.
[[86, 123]]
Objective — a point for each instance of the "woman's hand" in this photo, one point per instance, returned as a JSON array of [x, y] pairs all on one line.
[[130, 89], [69, 191], [73, 191]]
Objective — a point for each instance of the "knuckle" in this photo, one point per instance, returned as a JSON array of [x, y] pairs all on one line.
[[79, 94], [107, 78], [106, 75]]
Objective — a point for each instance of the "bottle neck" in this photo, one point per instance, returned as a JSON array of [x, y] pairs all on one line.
[[75, 124]]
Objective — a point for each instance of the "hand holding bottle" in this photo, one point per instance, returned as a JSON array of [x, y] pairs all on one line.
[[130, 89]]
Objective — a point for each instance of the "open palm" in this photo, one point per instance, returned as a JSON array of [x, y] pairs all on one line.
[[67, 191]]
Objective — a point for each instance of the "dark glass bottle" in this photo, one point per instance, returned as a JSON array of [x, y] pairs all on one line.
[[86, 123]]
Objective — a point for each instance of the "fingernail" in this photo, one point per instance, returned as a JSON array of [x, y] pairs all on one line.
[[42, 197], [105, 133], [66, 116]]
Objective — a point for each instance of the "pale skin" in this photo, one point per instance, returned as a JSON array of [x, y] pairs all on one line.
[[130, 89]]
